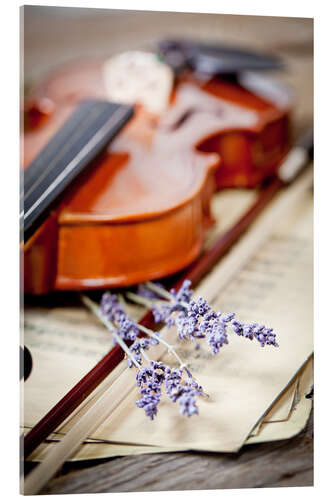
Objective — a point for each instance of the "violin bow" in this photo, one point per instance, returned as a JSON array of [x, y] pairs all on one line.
[[290, 169]]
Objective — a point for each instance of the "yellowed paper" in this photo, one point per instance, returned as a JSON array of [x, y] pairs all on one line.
[[65, 345], [297, 420], [283, 405]]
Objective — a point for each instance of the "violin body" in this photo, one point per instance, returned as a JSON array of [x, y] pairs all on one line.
[[142, 210]]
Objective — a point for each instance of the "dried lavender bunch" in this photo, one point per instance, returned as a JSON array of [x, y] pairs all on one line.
[[194, 320]]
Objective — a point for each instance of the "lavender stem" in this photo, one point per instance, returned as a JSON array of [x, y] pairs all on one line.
[[96, 310], [164, 293], [145, 356], [169, 346], [159, 290], [150, 333], [140, 300]]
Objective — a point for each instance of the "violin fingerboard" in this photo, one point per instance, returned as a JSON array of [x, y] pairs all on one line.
[[79, 141]]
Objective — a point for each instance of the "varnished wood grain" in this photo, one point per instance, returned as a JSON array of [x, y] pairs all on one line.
[[282, 463]]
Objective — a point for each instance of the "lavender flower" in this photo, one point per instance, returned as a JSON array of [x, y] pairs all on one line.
[[136, 347], [184, 393], [179, 299], [145, 292], [214, 326], [150, 379], [143, 376], [172, 382], [184, 293], [127, 328], [263, 335], [216, 335], [187, 401], [163, 313], [110, 307], [148, 402], [187, 326]]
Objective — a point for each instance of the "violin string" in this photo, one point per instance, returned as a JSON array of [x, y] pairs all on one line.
[[116, 118], [84, 151], [41, 160]]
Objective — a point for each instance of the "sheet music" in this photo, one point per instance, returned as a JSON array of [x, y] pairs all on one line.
[[65, 342]]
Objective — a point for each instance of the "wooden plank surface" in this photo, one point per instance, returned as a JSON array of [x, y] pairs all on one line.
[[55, 35], [282, 463]]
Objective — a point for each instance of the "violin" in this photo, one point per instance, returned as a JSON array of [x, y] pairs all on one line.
[[142, 209]]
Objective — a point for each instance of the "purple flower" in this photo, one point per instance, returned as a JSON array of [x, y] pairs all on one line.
[[172, 382], [150, 379], [214, 326], [164, 312], [187, 402], [127, 328], [140, 344], [136, 350], [159, 372], [194, 319], [143, 376], [144, 291], [187, 326], [148, 402], [110, 307], [137, 358], [184, 393], [217, 335], [198, 308], [263, 335], [184, 293]]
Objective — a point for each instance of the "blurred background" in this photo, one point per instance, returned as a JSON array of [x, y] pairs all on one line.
[[54, 35]]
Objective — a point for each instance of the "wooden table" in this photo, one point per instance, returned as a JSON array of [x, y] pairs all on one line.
[[55, 35], [282, 463]]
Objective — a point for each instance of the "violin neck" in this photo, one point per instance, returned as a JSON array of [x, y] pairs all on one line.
[[79, 141]]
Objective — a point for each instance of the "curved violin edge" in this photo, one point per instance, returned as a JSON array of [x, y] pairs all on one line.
[[129, 253], [40, 257], [82, 256], [172, 267]]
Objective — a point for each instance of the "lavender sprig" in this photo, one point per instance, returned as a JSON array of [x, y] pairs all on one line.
[[98, 312], [263, 335], [195, 319]]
